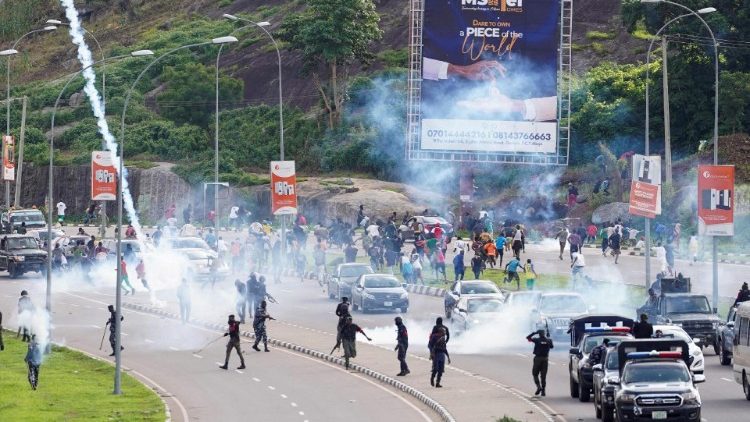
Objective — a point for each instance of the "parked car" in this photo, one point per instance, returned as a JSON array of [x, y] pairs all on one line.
[[341, 281], [469, 289], [379, 292], [606, 382], [586, 333], [697, 362], [555, 310], [20, 253], [725, 337], [12, 219], [420, 223], [475, 311]]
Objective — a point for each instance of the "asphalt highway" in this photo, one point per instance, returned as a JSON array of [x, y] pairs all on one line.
[[280, 385]]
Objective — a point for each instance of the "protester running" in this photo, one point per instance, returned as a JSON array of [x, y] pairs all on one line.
[[233, 331]]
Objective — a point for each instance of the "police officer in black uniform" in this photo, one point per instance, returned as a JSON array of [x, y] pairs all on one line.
[[643, 329], [111, 322], [342, 311], [542, 345], [402, 343]]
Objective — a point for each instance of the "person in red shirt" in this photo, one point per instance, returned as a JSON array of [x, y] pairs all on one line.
[[438, 231], [140, 269], [591, 232], [125, 281]]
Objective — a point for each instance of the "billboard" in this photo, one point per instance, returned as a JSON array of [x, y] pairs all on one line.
[[489, 76], [645, 186], [283, 188], [9, 160], [103, 177], [716, 200]]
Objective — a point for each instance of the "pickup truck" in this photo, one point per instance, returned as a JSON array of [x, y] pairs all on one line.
[[692, 312], [20, 254]]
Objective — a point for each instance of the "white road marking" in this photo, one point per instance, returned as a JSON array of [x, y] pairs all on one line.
[[238, 371], [301, 413], [271, 387], [283, 290], [293, 404], [521, 355], [174, 348], [256, 379], [727, 380], [197, 356], [125, 334], [96, 326], [75, 306], [283, 396], [148, 340]]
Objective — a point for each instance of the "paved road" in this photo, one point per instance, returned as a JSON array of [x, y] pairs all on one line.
[[281, 385]]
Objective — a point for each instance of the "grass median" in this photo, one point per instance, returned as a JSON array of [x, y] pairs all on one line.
[[72, 387]]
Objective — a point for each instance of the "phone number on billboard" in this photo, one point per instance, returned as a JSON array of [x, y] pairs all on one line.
[[492, 135]]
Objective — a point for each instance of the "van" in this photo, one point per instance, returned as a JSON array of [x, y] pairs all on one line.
[[741, 353]]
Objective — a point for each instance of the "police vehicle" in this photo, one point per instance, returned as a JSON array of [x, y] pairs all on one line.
[[586, 333], [656, 382], [606, 382]]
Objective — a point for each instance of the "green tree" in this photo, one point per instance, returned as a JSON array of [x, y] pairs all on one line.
[[332, 35], [191, 93]]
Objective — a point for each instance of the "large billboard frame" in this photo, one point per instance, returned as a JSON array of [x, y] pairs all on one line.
[[414, 99]]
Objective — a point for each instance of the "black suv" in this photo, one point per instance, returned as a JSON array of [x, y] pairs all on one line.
[[12, 220], [20, 254], [587, 332], [656, 382], [693, 313]]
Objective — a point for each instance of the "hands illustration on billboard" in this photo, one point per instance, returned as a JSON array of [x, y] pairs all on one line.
[[533, 109], [482, 70]]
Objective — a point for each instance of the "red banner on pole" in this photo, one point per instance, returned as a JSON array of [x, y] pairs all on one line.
[[644, 199], [9, 158], [716, 200], [283, 188], [103, 177]]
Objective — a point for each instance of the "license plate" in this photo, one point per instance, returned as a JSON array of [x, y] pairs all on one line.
[[387, 303], [659, 414]]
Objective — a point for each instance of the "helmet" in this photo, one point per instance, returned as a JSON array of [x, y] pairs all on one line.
[[24, 293]]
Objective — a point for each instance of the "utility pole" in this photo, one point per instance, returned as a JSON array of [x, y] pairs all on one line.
[[665, 88], [19, 174]]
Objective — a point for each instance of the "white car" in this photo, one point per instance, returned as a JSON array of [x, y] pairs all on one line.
[[697, 362]]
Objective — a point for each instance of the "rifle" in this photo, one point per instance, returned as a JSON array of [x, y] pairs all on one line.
[[271, 298], [101, 343]]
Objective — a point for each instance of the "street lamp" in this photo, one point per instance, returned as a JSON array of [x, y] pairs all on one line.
[[11, 52], [50, 204], [118, 294], [697, 14], [262, 26]]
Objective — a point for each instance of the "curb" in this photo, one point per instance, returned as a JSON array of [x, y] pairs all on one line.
[[421, 289], [423, 398], [167, 411]]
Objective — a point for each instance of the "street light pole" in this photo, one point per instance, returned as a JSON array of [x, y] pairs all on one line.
[[118, 294], [51, 180], [697, 14], [7, 91], [262, 26]]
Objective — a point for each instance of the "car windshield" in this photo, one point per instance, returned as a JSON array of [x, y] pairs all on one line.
[[21, 243], [354, 270], [28, 217], [381, 282], [433, 220], [478, 288], [192, 242], [524, 299], [562, 303], [688, 305], [613, 359], [594, 341], [656, 372], [484, 306]]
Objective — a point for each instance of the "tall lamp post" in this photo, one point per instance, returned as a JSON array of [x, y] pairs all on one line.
[[697, 14], [262, 26], [50, 192], [14, 51], [118, 294]]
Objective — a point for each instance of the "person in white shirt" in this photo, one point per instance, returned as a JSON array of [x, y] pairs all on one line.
[[459, 245], [373, 230], [233, 221], [61, 211], [577, 266]]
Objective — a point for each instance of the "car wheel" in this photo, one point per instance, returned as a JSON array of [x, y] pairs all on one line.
[[608, 413], [724, 358], [573, 388], [716, 347], [745, 386], [404, 310], [448, 313], [584, 394], [354, 306], [12, 272]]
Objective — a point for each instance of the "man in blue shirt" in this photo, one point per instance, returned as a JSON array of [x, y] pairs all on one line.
[[512, 272]]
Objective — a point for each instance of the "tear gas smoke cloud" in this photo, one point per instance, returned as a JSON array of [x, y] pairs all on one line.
[[37, 321], [85, 57]]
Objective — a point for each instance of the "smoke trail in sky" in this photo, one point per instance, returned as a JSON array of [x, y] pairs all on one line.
[[84, 56]]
